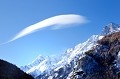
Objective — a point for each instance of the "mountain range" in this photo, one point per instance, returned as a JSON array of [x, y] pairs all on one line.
[[83, 59]]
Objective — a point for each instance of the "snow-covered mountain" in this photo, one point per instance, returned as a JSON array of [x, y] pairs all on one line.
[[36, 62], [110, 28], [60, 67], [41, 65]]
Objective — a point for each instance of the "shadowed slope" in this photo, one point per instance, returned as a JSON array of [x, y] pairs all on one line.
[[10, 71]]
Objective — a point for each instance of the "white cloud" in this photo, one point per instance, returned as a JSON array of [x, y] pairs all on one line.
[[55, 22]]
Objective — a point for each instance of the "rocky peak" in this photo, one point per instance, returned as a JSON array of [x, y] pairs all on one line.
[[110, 28]]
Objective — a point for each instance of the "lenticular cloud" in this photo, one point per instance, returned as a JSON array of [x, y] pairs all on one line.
[[60, 20]]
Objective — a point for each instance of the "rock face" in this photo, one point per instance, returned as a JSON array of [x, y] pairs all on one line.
[[101, 62], [10, 71]]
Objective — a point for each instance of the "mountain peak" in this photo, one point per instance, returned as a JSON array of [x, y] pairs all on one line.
[[111, 24], [110, 28]]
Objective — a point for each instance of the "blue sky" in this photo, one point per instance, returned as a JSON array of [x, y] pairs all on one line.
[[17, 15]]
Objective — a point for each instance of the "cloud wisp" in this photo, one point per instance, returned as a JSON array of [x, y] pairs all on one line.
[[58, 22]]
